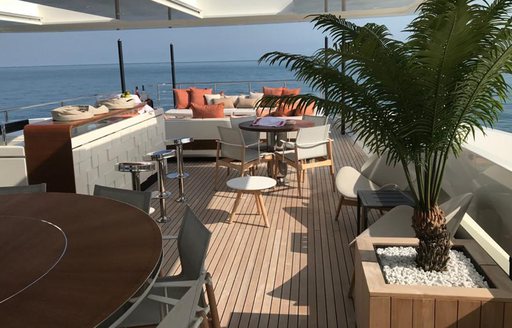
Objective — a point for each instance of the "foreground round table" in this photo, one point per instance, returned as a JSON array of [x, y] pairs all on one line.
[[251, 185], [71, 260]]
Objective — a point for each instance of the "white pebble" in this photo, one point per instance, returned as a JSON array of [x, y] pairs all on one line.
[[399, 268]]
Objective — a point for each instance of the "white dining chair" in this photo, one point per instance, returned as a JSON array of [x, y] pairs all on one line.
[[312, 148]]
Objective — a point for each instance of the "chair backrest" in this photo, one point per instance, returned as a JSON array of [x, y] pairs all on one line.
[[183, 314], [308, 137], [234, 138], [454, 210], [377, 170], [41, 187], [193, 241], [139, 199], [318, 120], [250, 137]]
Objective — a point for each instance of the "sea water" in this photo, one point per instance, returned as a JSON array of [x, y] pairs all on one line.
[[26, 86]]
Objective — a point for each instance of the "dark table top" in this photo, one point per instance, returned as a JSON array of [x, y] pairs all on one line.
[[294, 125], [71, 260], [384, 198]]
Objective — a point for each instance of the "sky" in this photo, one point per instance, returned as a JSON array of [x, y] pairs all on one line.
[[151, 46]]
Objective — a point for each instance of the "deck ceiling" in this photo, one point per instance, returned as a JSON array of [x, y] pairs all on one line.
[[69, 15]]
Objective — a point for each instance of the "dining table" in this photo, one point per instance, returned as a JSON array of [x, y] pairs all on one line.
[[69, 260], [274, 136]]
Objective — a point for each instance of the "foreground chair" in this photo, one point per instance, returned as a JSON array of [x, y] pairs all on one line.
[[139, 199], [233, 152], [250, 137], [373, 175], [397, 222], [41, 187], [193, 240], [311, 149]]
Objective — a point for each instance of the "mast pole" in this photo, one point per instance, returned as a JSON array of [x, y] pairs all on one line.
[[173, 71], [121, 64]]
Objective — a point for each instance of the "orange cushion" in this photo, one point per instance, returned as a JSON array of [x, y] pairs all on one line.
[[309, 110], [267, 91], [197, 95], [291, 92], [182, 98], [207, 111], [285, 110]]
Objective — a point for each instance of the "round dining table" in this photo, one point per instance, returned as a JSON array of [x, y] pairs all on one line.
[[69, 260], [275, 131], [274, 135]]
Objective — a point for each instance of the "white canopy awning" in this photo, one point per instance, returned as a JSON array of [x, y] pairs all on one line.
[[75, 15]]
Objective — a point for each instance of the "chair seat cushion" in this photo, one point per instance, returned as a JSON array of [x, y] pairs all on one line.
[[350, 180]]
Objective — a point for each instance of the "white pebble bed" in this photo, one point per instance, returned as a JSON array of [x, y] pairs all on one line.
[[400, 269]]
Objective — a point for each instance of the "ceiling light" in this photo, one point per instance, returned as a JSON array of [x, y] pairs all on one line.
[[181, 6], [20, 18]]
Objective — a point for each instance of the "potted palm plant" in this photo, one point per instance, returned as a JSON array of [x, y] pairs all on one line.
[[419, 99]]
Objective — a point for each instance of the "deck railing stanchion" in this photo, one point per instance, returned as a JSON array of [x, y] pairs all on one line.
[[121, 64], [173, 74]]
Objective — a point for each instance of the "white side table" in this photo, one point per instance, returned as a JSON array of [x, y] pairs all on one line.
[[251, 185]]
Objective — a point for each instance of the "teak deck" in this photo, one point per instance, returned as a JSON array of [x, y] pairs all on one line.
[[295, 273]]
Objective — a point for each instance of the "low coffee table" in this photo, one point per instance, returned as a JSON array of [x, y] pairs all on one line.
[[380, 199], [251, 185]]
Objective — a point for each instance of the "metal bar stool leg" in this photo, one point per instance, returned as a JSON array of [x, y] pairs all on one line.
[[180, 174], [135, 168], [161, 158], [136, 181]]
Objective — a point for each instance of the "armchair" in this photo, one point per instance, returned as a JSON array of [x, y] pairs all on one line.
[[311, 149]]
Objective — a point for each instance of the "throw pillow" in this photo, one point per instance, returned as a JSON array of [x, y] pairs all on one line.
[[246, 102], [207, 111], [268, 91], [209, 98], [286, 110], [228, 103], [305, 110], [182, 97], [197, 95], [291, 92], [256, 95]]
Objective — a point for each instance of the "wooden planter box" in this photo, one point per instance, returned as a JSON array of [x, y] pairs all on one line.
[[378, 304]]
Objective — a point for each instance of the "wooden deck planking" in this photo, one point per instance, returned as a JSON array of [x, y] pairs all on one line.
[[295, 273]]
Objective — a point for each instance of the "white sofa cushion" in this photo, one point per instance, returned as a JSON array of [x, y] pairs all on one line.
[[187, 113]]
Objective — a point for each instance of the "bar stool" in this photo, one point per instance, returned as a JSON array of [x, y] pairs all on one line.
[[180, 175], [135, 168], [161, 157]]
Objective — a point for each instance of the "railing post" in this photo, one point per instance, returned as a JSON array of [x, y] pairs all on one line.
[[158, 94], [4, 133]]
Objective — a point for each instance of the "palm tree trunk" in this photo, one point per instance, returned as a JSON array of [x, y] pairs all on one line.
[[434, 239]]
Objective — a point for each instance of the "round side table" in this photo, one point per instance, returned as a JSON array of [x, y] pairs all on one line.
[[251, 185]]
